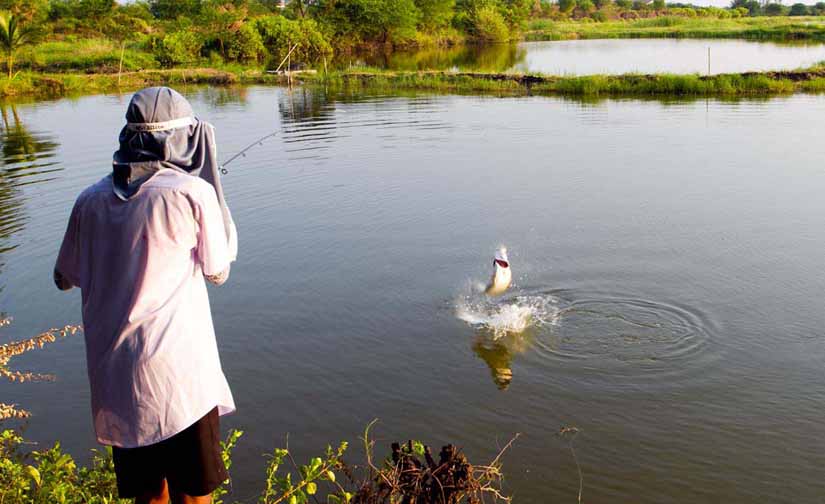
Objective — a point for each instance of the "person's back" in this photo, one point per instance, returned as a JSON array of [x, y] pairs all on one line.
[[140, 244]]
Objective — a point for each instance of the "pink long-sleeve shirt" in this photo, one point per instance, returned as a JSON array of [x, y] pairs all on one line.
[[151, 352]]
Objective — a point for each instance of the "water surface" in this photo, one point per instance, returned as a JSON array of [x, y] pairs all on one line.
[[609, 56], [667, 295]]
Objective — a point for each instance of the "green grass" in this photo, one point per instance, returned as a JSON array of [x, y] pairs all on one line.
[[761, 28], [87, 55], [631, 85]]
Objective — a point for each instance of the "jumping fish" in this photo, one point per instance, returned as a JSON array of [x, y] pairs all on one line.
[[500, 281]]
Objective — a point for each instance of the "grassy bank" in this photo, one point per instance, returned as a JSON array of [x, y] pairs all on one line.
[[663, 85], [757, 28], [812, 80]]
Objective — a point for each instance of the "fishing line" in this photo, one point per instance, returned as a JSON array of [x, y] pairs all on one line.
[[242, 152]]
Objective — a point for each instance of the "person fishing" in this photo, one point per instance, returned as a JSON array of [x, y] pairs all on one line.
[[141, 244]]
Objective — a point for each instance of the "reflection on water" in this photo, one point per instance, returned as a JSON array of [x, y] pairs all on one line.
[[606, 56], [498, 353], [26, 158], [491, 58]]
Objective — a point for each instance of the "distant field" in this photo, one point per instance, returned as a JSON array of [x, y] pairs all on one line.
[[765, 28]]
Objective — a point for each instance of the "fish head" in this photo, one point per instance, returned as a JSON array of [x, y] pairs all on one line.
[[501, 261]]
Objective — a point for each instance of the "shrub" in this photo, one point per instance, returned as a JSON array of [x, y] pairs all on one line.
[[489, 25], [599, 16], [774, 9], [245, 44], [178, 47], [798, 9], [279, 35], [568, 5]]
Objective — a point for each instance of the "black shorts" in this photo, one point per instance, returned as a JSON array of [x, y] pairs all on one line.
[[190, 461]]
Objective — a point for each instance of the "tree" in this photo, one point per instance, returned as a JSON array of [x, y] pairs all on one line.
[[585, 6], [658, 5], [13, 35], [435, 14], [774, 9], [818, 8], [567, 6], [601, 3], [94, 9], [27, 10], [172, 9], [383, 20], [798, 9], [624, 4]]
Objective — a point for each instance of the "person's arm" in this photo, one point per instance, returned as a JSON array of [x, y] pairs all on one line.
[[67, 267], [213, 245]]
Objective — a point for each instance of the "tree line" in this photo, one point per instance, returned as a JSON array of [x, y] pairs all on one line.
[[180, 32]]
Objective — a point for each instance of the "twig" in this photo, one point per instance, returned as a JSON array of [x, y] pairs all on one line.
[[573, 432]]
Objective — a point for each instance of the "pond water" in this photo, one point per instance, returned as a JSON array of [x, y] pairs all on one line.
[[667, 296], [609, 56]]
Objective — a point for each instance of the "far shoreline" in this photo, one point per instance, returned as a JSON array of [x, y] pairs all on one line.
[[28, 86]]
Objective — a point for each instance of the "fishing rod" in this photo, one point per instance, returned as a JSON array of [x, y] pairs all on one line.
[[242, 152]]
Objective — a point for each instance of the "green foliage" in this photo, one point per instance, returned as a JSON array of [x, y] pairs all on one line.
[[489, 25], [585, 6], [244, 44], [28, 10], [226, 456], [567, 6], [798, 9], [172, 9], [599, 16], [98, 55], [624, 4], [658, 5], [774, 9], [381, 20], [435, 14], [13, 35], [95, 9], [281, 488], [279, 35], [52, 476], [179, 48]]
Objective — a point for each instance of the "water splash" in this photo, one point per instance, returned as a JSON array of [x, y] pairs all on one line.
[[508, 315]]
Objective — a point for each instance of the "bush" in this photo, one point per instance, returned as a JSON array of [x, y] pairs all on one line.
[[775, 9], [798, 9], [279, 35], [489, 25], [599, 16], [245, 44], [178, 47]]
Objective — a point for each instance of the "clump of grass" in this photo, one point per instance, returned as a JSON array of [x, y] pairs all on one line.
[[15, 348]]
